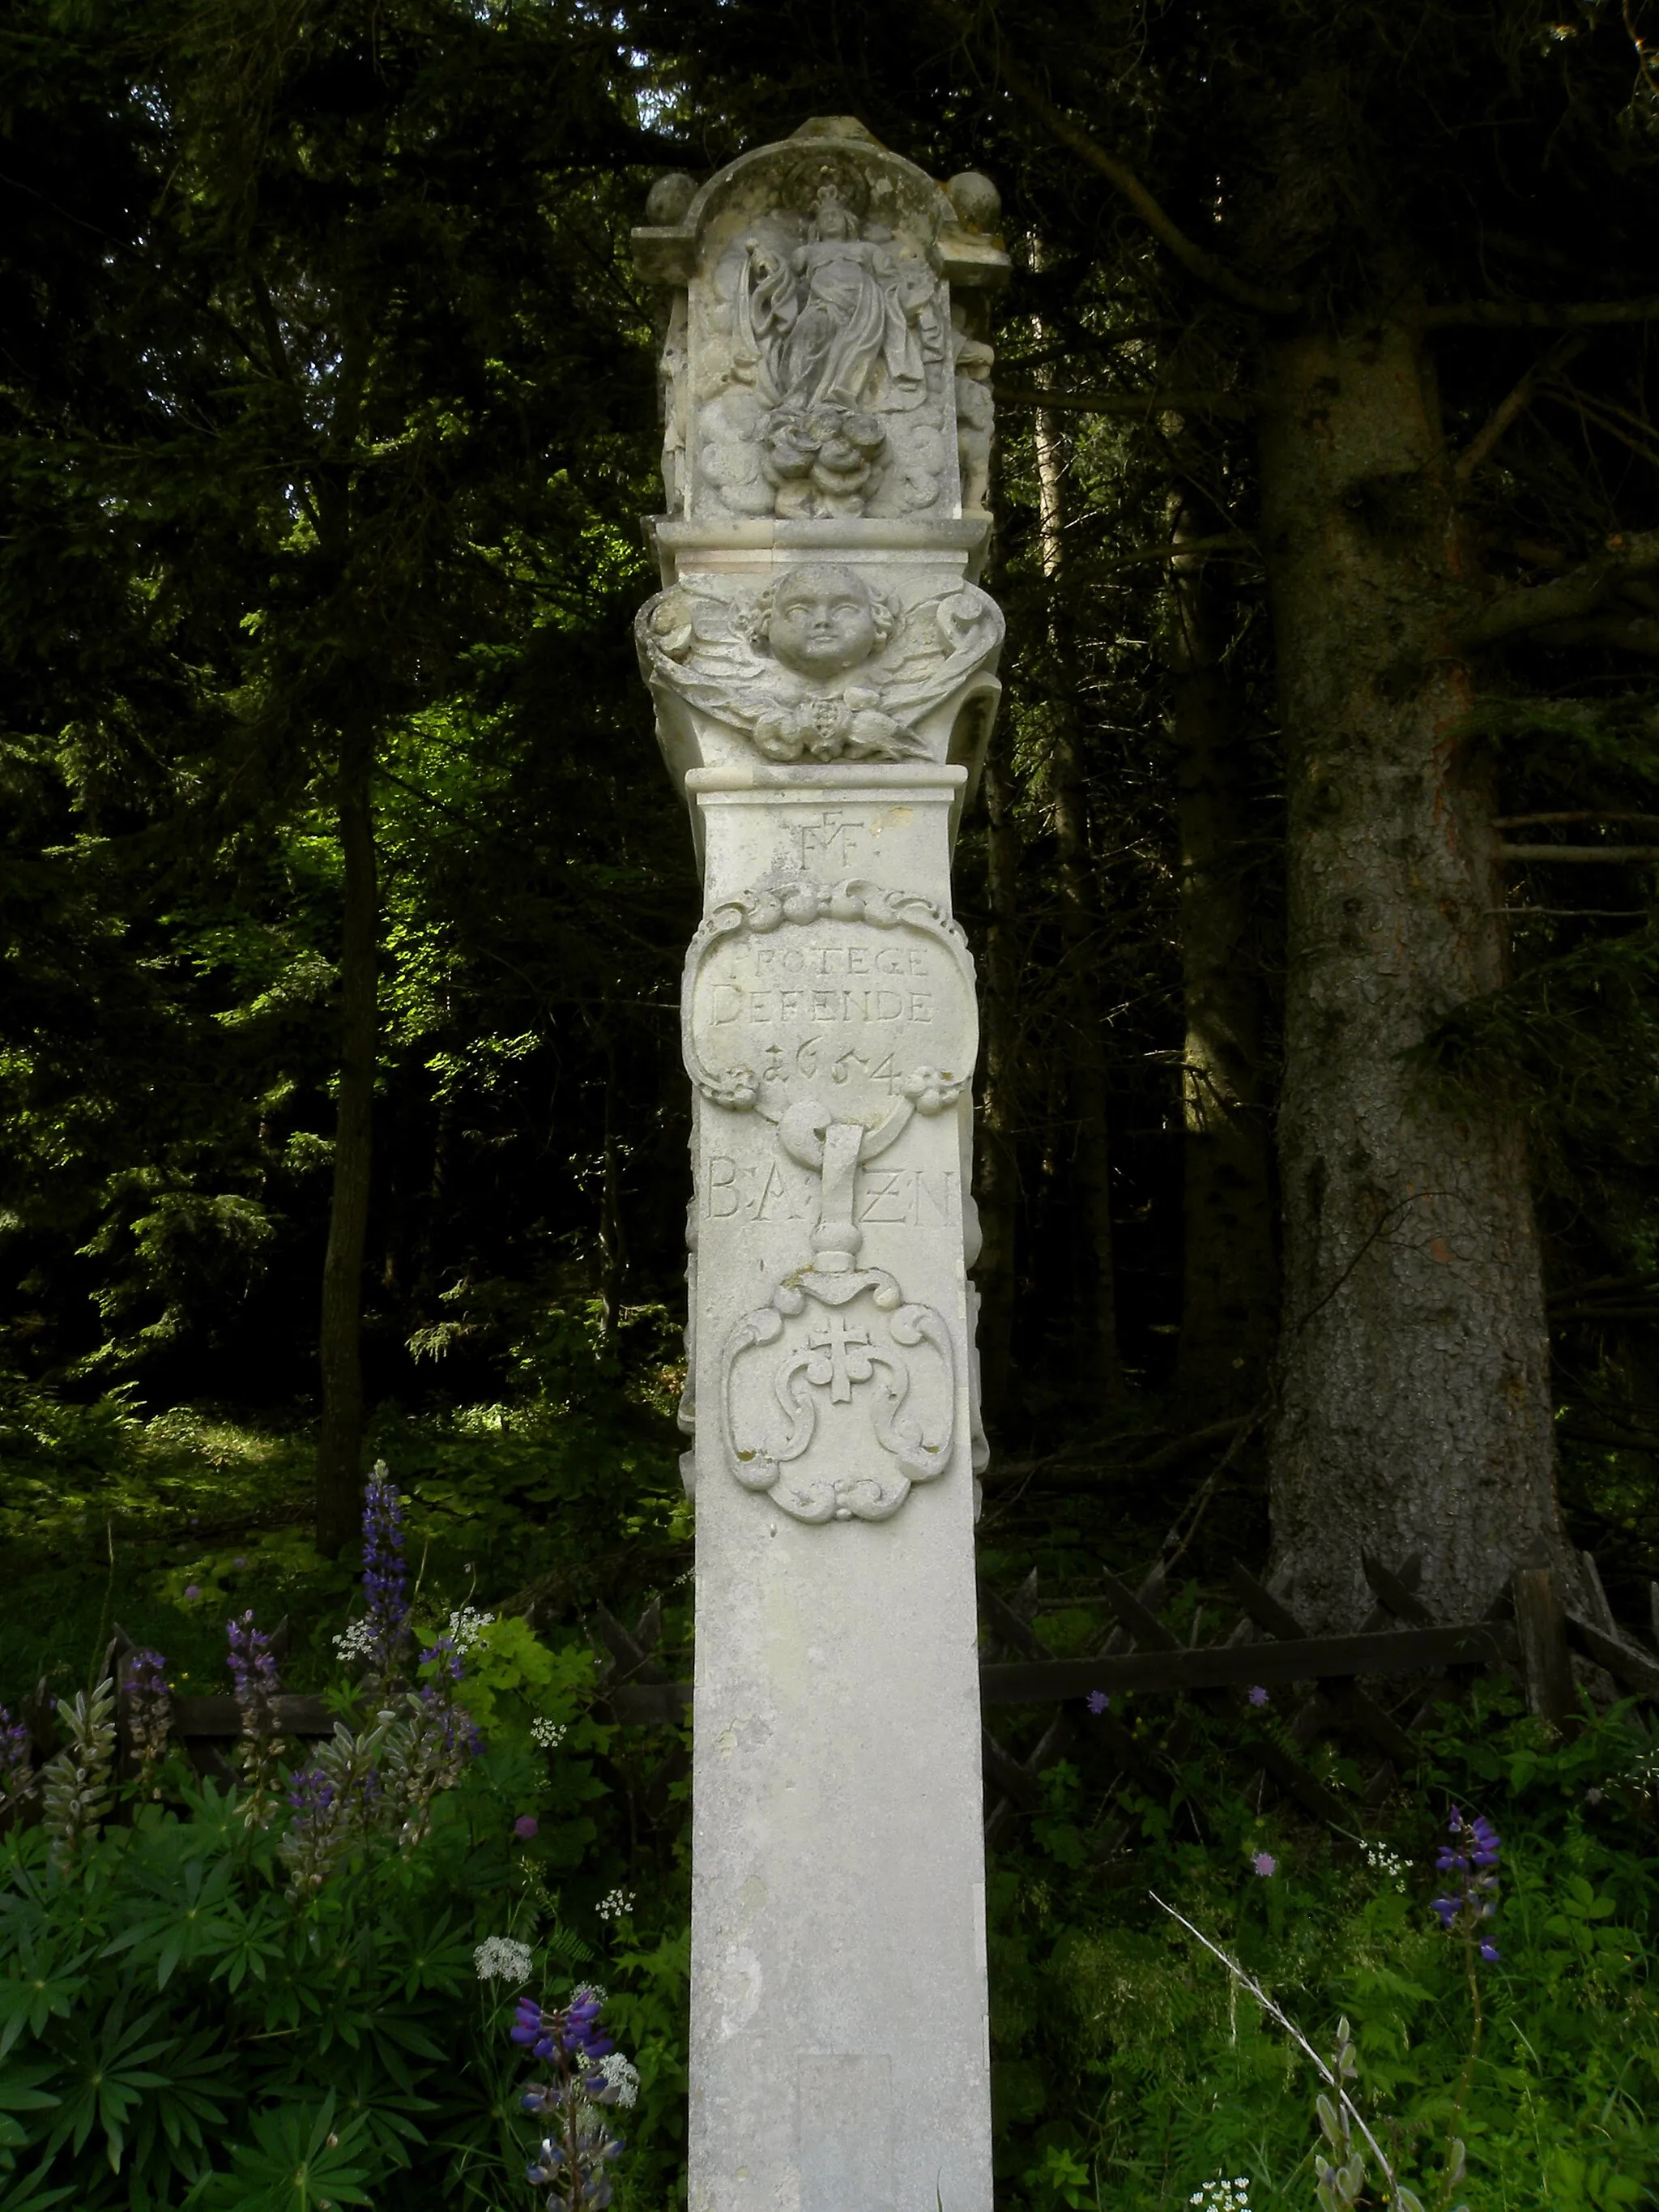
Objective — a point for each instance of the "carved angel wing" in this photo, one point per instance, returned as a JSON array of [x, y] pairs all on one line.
[[695, 643], [944, 641]]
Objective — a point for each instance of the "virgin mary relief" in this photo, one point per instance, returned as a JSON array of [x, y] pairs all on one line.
[[825, 386]]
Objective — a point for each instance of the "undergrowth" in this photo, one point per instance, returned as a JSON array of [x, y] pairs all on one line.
[[175, 2028]]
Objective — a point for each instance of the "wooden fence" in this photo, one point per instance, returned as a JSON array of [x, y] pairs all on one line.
[[1371, 1687]]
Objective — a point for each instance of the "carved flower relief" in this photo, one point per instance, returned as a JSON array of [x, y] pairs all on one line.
[[820, 665]]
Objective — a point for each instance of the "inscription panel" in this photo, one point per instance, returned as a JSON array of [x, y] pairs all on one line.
[[910, 1198], [851, 997]]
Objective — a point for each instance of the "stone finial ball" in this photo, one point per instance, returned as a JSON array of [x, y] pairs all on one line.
[[669, 198], [976, 200]]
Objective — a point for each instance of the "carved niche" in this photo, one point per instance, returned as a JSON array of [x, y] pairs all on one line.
[[814, 366], [821, 665]]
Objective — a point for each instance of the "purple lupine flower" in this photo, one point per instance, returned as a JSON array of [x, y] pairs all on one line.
[[1099, 1702], [1258, 1693], [147, 1696], [461, 1738], [587, 2073], [445, 1652], [253, 1676], [311, 1796], [385, 1576], [1471, 1900], [17, 1765]]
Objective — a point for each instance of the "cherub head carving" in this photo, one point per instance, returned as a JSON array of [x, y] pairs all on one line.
[[822, 620]]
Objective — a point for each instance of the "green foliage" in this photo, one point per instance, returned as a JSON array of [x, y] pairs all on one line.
[[1120, 2047], [176, 2026]]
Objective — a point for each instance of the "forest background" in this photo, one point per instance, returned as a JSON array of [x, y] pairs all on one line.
[[343, 895]]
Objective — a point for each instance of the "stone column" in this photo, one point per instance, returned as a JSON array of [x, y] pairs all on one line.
[[822, 663]]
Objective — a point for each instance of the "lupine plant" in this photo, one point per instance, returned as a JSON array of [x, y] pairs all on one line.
[[254, 1674], [383, 1779], [16, 1766], [77, 1789], [587, 2073], [1470, 1857], [147, 1697], [385, 1575]]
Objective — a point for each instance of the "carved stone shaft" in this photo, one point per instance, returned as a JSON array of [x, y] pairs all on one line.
[[823, 665]]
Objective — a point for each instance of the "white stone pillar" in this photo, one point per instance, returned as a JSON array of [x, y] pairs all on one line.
[[822, 663]]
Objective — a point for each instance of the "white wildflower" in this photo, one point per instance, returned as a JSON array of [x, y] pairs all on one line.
[[502, 1958], [614, 1903], [1222, 2195], [466, 1626], [587, 1993], [356, 1641], [621, 2077], [1388, 1863], [548, 1734]]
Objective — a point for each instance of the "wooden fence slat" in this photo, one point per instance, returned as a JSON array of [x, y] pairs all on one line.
[[1137, 1618], [217, 1716], [1216, 1666], [1005, 1772], [1010, 1627], [1290, 1774], [1633, 1667], [1540, 1625], [1398, 1591], [1336, 1699], [647, 1705]]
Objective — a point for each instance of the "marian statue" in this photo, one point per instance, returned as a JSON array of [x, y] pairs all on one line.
[[834, 324]]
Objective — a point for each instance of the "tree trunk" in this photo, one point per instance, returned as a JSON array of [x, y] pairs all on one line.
[[1229, 1275], [997, 1178], [339, 1461], [1087, 1085], [613, 1242], [1414, 1403]]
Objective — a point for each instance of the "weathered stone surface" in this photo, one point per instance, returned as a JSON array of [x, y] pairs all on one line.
[[822, 666]]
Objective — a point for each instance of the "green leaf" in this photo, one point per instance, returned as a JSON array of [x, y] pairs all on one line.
[[297, 2162], [33, 1994]]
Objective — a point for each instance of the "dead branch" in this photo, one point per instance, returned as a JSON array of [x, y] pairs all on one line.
[[1565, 598], [1187, 251], [1512, 405], [1229, 404], [1233, 541], [1596, 814], [1626, 633], [1613, 855], [1536, 315]]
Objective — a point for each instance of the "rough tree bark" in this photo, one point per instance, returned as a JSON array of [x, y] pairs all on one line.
[[339, 1459], [1229, 1311], [1414, 1407], [1088, 1084]]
